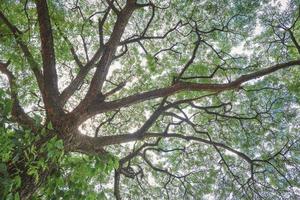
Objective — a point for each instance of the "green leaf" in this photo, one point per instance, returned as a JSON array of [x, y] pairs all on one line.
[[17, 196], [50, 126]]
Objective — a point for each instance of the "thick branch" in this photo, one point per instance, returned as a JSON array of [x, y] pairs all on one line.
[[183, 86], [48, 57], [117, 185], [118, 139], [108, 55], [111, 45], [73, 86]]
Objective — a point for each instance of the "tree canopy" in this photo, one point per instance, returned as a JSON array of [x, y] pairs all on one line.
[[149, 99]]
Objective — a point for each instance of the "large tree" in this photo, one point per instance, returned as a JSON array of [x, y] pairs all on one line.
[[172, 99]]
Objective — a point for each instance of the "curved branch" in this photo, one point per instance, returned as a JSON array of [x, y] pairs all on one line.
[[118, 139], [17, 111]]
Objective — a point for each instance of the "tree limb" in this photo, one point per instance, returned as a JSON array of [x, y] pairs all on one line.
[[17, 111], [48, 56], [97, 108], [108, 55], [73, 86]]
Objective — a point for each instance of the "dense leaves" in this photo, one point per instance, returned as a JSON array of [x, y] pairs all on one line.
[[66, 181], [167, 99]]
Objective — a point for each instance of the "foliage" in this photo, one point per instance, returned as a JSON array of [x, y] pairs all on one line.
[[149, 99], [66, 181]]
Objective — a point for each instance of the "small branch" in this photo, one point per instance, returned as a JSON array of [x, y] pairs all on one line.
[[100, 27], [112, 6], [32, 63], [191, 60], [133, 40], [116, 89], [294, 40], [75, 56], [105, 122]]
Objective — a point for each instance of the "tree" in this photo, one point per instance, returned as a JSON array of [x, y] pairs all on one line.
[[160, 99]]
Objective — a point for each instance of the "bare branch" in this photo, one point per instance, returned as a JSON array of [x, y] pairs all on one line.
[[133, 40]]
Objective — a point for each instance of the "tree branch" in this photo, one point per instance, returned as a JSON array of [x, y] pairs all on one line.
[[117, 185], [17, 111], [100, 27], [108, 55], [100, 142], [100, 107], [32, 63], [74, 85], [294, 40], [48, 57]]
